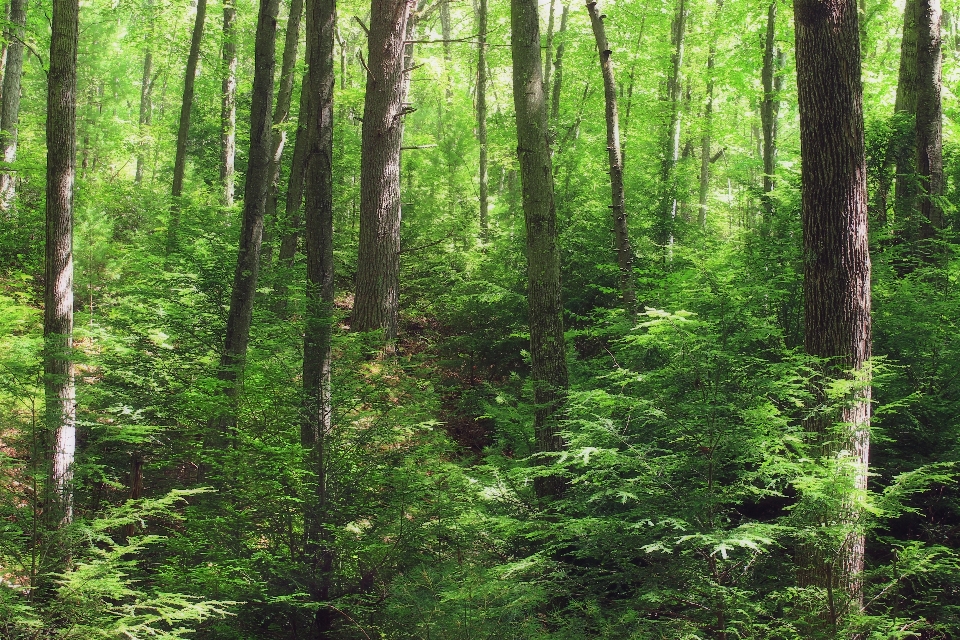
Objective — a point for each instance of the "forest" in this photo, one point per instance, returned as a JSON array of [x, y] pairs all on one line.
[[476, 319]]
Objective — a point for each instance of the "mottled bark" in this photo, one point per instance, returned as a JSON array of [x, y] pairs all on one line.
[[929, 118], [482, 117], [59, 390], [547, 346], [836, 283], [186, 105], [318, 215], [905, 112], [146, 111], [376, 304], [240, 315], [671, 150], [10, 108], [558, 64], [228, 104], [548, 54], [618, 209], [706, 140], [770, 109]]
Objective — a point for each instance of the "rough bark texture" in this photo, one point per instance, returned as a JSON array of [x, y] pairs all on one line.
[[548, 54], [180, 160], [618, 209], [558, 64], [836, 277], [547, 347], [706, 140], [146, 111], [929, 118], [770, 109], [905, 109], [482, 117], [281, 113], [59, 390], [244, 289], [376, 303], [228, 105], [671, 151], [318, 210], [10, 109]]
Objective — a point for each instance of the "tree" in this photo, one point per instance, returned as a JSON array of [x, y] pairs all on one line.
[[183, 130], [836, 274], [59, 389], [240, 315], [770, 108], [376, 304], [930, 118], [10, 107], [618, 209], [545, 307], [228, 108], [317, 358], [671, 149], [482, 116]]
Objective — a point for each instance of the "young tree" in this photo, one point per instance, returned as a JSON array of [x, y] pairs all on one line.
[[59, 390], [10, 107], [671, 152], [558, 64], [770, 108], [318, 227], [240, 316], [836, 274], [482, 116], [618, 209], [376, 303], [183, 130], [146, 109], [228, 106], [545, 307]]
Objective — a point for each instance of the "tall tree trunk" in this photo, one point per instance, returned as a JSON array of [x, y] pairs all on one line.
[[180, 160], [630, 80], [482, 118], [146, 111], [240, 316], [905, 111], [836, 281], [706, 140], [318, 408], [59, 390], [3, 46], [547, 346], [558, 64], [228, 106], [10, 109], [770, 109], [548, 55], [446, 32], [376, 303], [281, 113], [618, 209], [671, 152], [929, 118]]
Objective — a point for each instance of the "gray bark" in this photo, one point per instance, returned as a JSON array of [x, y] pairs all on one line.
[[482, 117], [10, 108], [228, 106], [558, 64]]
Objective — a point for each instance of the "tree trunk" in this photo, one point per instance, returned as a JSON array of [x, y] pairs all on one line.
[[671, 152], [929, 119], [281, 113], [10, 109], [180, 160], [228, 106], [770, 109], [318, 409], [482, 118], [548, 55], [59, 391], [836, 281], [558, 64], [905, 110], [706, 141], [146, 111], [618, 209], [376, 303], [547, 347], [256, 184]]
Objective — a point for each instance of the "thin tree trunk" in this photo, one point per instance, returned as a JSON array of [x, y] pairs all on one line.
[[240, 315], [180, 160], [548, 54], [558, 64], [547, 346], [281, 113], [905, 110], [318, 408], [706, 141], [146, 111], [618, 209], [446, 32], [770, 110], [671, 154], [929, 119], [633, 70], [228, 106], [3, 47], [482, 118], [376, 303], [59, 390], [10, 109], [836, 281]]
